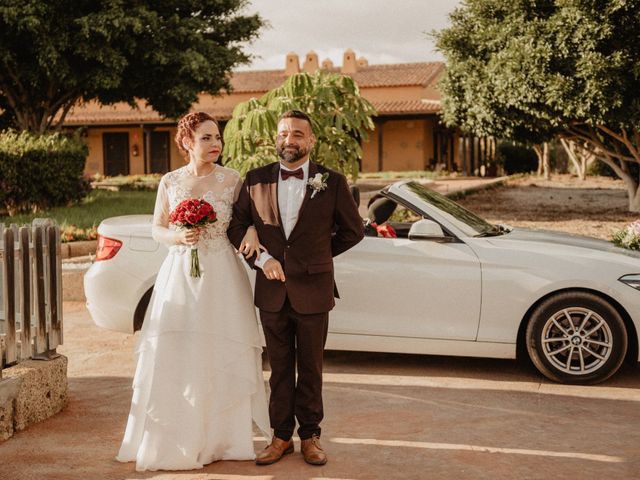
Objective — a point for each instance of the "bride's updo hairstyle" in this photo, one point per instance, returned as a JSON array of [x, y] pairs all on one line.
[[187, 126]]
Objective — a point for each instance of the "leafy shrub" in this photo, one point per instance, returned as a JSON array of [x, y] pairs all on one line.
[[71, 233], [516, 158], [628, 237], [341, 117], [601, 169], [40, 171], [130, 183]]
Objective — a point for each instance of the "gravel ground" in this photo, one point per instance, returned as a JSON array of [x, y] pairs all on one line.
[[595, 207]]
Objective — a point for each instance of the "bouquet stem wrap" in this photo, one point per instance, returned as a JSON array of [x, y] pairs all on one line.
[[195, 263], [193, 213]]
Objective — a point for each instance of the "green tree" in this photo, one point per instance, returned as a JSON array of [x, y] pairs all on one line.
[[533, 69], [340, 117], [484, 39], [54, 54]]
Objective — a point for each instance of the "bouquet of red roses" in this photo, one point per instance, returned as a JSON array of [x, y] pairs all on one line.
[[193, 213]]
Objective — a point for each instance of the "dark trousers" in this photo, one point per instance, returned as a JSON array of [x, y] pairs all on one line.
[[295, 340]]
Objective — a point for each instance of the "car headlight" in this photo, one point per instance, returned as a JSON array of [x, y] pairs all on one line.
[[631, 280]]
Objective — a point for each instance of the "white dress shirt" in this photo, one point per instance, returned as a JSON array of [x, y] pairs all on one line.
[[291, 193]]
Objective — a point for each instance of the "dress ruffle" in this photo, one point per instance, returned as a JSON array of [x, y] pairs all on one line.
[[198, 383]]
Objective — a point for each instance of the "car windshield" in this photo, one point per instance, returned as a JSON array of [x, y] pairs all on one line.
[[471, 223]]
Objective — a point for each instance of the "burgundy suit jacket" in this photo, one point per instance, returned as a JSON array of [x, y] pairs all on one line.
[[328, 224]]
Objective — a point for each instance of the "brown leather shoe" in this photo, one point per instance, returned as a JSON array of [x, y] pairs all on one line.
[[313, 452], [274, 451]]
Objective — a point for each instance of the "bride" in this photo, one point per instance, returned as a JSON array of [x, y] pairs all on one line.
[[198, 384]]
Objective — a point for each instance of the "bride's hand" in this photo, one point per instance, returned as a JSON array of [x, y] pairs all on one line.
[[189, 236], [251, 244]]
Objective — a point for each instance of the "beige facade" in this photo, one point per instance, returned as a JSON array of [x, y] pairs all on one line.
[[136, 146], [399, 145], [407, 136]]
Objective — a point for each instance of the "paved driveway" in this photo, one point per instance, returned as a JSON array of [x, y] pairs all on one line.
[[387, 416]]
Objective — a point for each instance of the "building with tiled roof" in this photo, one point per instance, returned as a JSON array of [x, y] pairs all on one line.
[[408, 134]]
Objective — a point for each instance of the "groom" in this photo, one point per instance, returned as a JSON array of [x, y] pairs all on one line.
[[304, 215]]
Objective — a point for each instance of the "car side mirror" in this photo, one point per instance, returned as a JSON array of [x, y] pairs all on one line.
[[427, 230]]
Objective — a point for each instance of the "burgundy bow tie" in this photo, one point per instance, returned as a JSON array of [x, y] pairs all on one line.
[[284, 174]]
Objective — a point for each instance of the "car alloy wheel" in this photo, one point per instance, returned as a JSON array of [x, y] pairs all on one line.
[[576, 341], [576, 337]]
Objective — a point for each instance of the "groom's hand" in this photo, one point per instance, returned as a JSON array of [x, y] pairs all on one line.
[[250, 244], [273, 270]]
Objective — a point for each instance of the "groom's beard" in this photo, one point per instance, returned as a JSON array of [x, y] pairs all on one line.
[[291, 153]]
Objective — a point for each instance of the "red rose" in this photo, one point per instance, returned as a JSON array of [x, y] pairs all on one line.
[[193, 212]]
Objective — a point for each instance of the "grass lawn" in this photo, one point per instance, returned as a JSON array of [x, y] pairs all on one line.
[[97, 206]]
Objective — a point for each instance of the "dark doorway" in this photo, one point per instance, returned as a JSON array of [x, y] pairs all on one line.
[[443, 149], [159, 154], [116, 153]]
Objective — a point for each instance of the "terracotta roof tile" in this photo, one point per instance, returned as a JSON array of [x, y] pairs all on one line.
[[146, 115], [401, 74], [396, 75], [399, 107], [106, 116], [257, 81]]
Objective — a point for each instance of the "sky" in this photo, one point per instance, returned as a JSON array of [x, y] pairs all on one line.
[[382, 31]]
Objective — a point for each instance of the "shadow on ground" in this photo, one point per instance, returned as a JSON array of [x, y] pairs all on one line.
[[387, 416]]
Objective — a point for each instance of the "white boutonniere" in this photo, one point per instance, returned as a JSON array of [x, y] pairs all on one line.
[[318, 183]]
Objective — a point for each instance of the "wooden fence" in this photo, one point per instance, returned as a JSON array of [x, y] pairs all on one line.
[[30, 292]]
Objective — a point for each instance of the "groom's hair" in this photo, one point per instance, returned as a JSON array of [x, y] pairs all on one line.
[[297, 114]]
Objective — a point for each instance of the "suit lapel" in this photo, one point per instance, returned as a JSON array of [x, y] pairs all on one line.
[[273, 194], [313, 169]]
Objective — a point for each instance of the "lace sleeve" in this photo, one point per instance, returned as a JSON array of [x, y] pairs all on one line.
[[160, 228]]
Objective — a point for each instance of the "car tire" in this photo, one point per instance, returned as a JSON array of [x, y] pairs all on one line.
[[141, 310], [576, 337]]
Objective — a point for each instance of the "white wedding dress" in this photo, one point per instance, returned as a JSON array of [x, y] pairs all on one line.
[[198, 385]]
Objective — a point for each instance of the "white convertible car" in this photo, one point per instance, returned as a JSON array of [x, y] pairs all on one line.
[[449, 284]]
